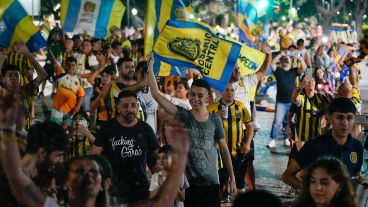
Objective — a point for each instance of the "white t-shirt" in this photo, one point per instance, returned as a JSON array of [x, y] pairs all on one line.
[[149, 105], [155, 185], [50, 202], [179, 102], [242, 87]]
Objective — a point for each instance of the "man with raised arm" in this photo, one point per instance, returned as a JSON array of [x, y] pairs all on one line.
[[205, 131]]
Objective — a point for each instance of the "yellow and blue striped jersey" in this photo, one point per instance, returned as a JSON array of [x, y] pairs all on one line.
[[238, 115], [309, 112]]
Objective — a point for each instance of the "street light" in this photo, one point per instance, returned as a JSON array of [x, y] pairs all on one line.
[[293, 11], [338, 12], [134, 11], [262, 4]]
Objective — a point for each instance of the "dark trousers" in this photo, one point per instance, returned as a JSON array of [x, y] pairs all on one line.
[[202, 196]]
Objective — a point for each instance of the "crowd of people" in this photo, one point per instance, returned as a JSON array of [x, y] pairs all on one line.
[[117, 135]]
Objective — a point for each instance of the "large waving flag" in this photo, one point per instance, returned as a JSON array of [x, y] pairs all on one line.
[[158, 13], [189, 44], [94, 17], [247, 16], [15, 24]]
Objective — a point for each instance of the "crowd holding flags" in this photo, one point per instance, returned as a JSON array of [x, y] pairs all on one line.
[[171, 58], [193, 45], [155, 21], [16, 25], [94, 17]]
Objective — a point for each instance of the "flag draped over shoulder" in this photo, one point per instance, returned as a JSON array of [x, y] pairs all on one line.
[[15, 24], [193, 45], [158, 13], [92, 16], [247, 16]]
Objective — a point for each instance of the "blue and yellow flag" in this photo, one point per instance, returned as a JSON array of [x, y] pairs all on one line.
[[193, 45], [15, 24], [250, 59], [94, 17], [247, 16], [158, 13]]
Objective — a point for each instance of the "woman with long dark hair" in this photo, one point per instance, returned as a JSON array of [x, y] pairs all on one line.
[[327, 184]]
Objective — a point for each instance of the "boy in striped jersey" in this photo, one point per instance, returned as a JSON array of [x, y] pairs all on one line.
[[238, 143]]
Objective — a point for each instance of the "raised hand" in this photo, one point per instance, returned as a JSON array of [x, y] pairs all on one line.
[[177, 136], [23, 49]]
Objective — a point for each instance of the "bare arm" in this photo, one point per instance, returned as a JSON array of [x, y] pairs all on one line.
[[296, 92], [307, 60], [95, 103], [41, 73], [161, 100], [137, 86], [85, 75], [26, 192], [303, 66], [275, 61], [352, 77], [96, 150], [263, 70], [178, 137], [289, 175], [225, 154], [342, 58], [249, 133], [92, 76], [77, 105]]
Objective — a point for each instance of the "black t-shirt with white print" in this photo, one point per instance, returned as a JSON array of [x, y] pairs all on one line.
[[128, 150]]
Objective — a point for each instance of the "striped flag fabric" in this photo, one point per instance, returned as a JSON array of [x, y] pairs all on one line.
[[158, 13], [247, 16], [194, 45], [15, 25], [94, 17]]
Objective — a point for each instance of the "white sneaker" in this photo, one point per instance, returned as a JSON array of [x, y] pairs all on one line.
[[272, 144], [286, 143]]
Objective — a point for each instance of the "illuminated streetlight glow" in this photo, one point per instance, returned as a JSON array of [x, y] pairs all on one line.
[[349, 14], [338, 12], [293, 11], [134, 11], [263, 4]]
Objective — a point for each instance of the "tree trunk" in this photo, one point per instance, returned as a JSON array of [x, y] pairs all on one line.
[[359, 11], [327, 24], [358, 25], [328, 14]]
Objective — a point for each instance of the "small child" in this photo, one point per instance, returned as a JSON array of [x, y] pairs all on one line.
[[80, 138], [165, 154]]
